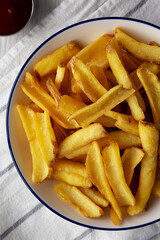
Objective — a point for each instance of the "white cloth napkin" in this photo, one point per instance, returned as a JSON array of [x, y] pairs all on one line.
[[22, 216]]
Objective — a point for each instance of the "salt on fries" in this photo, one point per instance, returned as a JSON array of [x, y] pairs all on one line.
[[89, 124]]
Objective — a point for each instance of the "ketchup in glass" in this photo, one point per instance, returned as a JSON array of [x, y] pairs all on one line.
[[14, 14]]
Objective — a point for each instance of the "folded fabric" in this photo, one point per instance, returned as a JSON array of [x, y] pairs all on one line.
[[22, 215]]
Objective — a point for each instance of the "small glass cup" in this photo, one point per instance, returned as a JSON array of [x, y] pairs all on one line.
[[14, 15]]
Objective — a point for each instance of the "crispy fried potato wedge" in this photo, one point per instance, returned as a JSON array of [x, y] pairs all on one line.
[[38, 95], [77, 199], [138, 49], [96, 172], [95, 52], [150, 139], [80, 138], [109, 100], [86, 80], [122, 76], [40, 168], [100, 75], [95, 196], [115, 174], [114, 217], [49, 63], [130, 159], [124, 140], [150, 66], [53, 90], [151, 85], [46, 137], [69, 104]]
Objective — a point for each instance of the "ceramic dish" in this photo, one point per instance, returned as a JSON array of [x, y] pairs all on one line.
[[85, 32]]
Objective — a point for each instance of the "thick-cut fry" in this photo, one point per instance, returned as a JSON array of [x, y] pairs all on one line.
[[109, 100], [138, 49], [95, 196], [130, 159], [106, 121], [40, 167], [122, 76], [86, 80], [76, 198], [95, 52], [124, 122], [50, 62], [53, 90], [46, 137], [81, 138], [38, 95], [115, 174], [60, 75], [114, 217], [96, 172], [151, 85], [150, 139], [100, 75], [69, 104]]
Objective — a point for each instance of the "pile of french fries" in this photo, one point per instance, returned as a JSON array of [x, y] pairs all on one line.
[[93, 124]]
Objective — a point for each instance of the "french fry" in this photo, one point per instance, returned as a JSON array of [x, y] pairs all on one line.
[[80, 138], [130, 159], [53, 90], [77, 199], [156, 188], [96, 172], [86, 80], [122, 76], [150, 138], [115, 174], [106, 121], [38, 95], [111, 78], [151, 85], [130, 62], [100, 75], [60, 75], [109, 100], [40, 168], [95, 196], [138, 49], [46, 137], [94, 53], [49, 63], [114, 217], [69, 104]]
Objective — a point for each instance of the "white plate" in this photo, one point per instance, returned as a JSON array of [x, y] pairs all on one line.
[[85, 32]]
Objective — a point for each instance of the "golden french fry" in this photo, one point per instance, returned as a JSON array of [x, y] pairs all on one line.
[[109, 100], [106, 121], [122, 76], [95, 52], [59, 75], [95, 196], [96, 172], [69, 104], [115, 174], [39, 96], [151, 85], [80, 138], [86, 80], [156, 188], [150, 139], [76, 198], [50, 62], [46, 137], [130, 159], [35, 107], [40, 167], [100, 75], [53, 90], [114, 217], [138, 49]]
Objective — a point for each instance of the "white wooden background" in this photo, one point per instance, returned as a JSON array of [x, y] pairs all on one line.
[[41, 9]]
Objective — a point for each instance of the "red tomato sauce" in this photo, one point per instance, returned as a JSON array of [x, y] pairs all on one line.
[[14, 14]]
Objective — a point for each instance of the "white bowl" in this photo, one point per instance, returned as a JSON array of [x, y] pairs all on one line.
[[85, 32]]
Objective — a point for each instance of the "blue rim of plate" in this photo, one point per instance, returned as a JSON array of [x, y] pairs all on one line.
[[7, 122]]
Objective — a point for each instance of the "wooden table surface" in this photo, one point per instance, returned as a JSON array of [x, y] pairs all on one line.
[[41, 9]]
